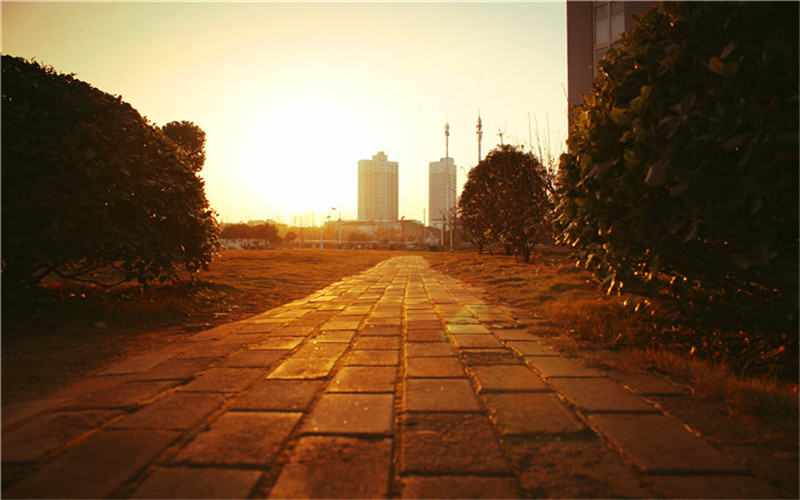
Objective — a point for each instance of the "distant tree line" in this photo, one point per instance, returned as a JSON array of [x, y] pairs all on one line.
[[90, 186], [265, 232]]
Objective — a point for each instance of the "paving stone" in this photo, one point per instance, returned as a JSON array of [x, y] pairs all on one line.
[[341, 324], [426, 336], [649, 385], [224, 380], [656, 444], [271, 343], [262, 326], [572, 468], [557, 366], [396, 319], [335, 336], [41, 436], [467, 329], [374, 358], [21, 412], [220, 332], [600, 395], [436, 443], [241, 340], [521, 334], [292, 330], [182, 369], [198, 483], [476, 341], [531, 413], [314, 319], [254, 358], [505, 378], [434, 367], [439, 395], [241, 438], [310, 361], [429, 349], [378, 343], [336, 467], [94, 467], [212, 350], [279, 395], [424, 325], [175, 411], [128, 396], [459, 487], [373, 330], [477, 357], [370, 414], [717, 487], [415, 316], [139, 363], [531, 348], [364, 379]]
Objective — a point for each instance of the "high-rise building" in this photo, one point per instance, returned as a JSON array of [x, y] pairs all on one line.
[[377, 188], [441, 191]]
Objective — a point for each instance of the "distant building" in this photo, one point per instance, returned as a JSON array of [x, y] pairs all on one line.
[[377, 189], [441, 191], [592, 29]]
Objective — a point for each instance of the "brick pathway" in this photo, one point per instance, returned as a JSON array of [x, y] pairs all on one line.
[[396, 382]]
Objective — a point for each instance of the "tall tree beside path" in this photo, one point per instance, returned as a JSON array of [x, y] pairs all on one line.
[[190, 139], [88, 185]]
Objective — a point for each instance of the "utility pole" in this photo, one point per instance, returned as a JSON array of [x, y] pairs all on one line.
[[480, 135]]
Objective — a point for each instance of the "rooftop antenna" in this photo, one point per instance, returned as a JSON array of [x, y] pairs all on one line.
[[480, 134], [501, 133], [446, 140]]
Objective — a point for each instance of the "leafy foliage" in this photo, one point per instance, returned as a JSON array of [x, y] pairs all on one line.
[[266, 232], [682, 170], [88, 184], [506, 200], [190, 139]]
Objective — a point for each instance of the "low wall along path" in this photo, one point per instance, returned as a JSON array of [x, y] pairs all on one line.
[[398, 382]]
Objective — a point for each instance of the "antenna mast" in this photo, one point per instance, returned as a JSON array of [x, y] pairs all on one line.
[[480, 134], [446, 140]]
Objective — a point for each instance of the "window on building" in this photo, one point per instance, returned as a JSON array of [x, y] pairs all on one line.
[[609, 24]]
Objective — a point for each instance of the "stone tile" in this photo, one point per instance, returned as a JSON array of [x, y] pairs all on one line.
[[476, 341], [600, 395], [436, 443], [335, 336], [352, 414], [336, 467], [478, 357], [139, 363], [293, 331], [17, 413], [378, 343], [270, 343], [415, 316], [522, 334], [717, 487], [424, 325], [312, 360], [279, 395], [374, 358], [364, 379], [341, 324], [445, 487], [429, 349], [373, 330], [254, 358], [505, 378], [95, 467], [572, 468], [656, 444], [467, 329], [650, 385], [393, 320], [181, 369], [129, 395], [261, 326], [426, 336], [241, 438], [439, 395], [241, 340], [531, 348], [212, 350], [40, 436], [531, 413], [558, 366], [434, 367], [224, 380], [176, 411], [198, 483]]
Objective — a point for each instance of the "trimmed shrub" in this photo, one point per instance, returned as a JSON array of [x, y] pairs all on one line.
[[88, 185], [682, 170]]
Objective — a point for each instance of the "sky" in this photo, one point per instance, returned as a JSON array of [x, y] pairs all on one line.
[[291, 95]]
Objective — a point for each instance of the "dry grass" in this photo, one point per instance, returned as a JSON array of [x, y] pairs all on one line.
[[69, 330]]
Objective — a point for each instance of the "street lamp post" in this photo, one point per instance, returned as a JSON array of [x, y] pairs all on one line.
[[340, 226]]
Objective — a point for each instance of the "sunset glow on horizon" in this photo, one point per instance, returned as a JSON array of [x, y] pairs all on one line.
[[292, 95]]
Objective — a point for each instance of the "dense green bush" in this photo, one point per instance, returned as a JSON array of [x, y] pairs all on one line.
[[682, 170], [88, 185], [507, 200]]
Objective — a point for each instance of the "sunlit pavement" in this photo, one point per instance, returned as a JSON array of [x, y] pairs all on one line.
[[396, 382]]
